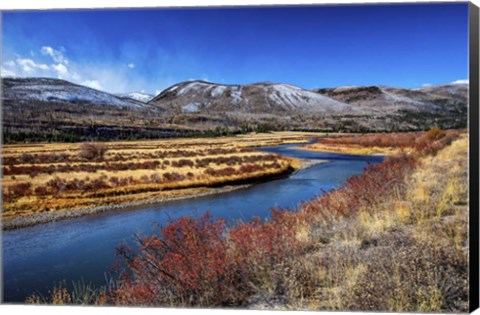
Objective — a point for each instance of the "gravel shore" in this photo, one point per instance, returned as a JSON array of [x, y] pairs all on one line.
[[25, 221]]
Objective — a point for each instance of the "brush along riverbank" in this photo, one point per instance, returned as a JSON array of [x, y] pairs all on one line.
[[391, 239]]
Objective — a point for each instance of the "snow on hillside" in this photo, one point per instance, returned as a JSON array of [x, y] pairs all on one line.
[[191, 108], [293, 97], [138, 96], [219, 90], [283, 97], [53, 90], [236, 95]]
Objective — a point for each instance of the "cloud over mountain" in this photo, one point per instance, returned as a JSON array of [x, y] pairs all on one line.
[[53, 62]]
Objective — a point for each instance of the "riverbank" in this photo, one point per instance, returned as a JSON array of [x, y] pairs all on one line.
[[179, 194], [25, 221]]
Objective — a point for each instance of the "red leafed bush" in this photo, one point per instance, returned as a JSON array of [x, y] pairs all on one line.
[[362, 192], [377, 140], [424, 142], [260, 244], [434, 140], [186, 263], [196, 261]]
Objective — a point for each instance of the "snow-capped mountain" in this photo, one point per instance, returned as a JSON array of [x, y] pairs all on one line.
[[138, 96], [385, 99], [60, 91], [265, 97], [45, 109]]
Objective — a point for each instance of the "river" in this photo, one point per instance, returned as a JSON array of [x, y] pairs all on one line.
[[35, 258]]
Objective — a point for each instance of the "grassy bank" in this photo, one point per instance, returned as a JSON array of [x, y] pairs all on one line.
[[379, 143], [44, 182], [391, 239]]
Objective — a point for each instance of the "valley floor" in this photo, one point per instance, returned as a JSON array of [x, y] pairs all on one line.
[[46, 182]]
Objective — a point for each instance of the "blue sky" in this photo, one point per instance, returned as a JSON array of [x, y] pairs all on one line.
[[405, 45]]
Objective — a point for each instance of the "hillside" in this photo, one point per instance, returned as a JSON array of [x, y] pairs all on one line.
[[137, 96], [40, 109], [384, 99], [60, 91], [201, 96]]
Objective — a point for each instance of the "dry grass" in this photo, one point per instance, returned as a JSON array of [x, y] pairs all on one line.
[[40, 178], [354, 149], [408, 253]]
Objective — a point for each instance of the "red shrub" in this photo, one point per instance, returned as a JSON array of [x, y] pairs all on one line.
[[378, 140], [363, 191], [173, 177], [250, 168], [20, 189], [182, 163], [197, 262], [186, 262], [41, 191]]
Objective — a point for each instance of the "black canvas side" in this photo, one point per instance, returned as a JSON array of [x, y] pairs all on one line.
[[474, 159]]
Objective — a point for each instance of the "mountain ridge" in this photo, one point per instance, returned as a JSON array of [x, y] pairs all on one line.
[[44, 108]]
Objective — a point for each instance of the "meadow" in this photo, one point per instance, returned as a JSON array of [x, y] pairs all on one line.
[[47, 181], [394, 238]]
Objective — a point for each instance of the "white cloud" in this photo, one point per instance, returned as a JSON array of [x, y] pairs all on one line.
[[56, 55], [61, 70], [28, 65], [94, 84], [464, 81], [426, 85], [114, 76]]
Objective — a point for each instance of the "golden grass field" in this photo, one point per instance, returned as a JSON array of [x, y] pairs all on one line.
[[48, 178]]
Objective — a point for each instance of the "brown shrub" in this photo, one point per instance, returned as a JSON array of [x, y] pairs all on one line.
[[92, 151], [21, 189]]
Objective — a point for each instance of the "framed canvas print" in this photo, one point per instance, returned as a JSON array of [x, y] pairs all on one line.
[[272, 157]]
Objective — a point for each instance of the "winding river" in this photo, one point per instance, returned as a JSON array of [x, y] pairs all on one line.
[[35, 258]]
